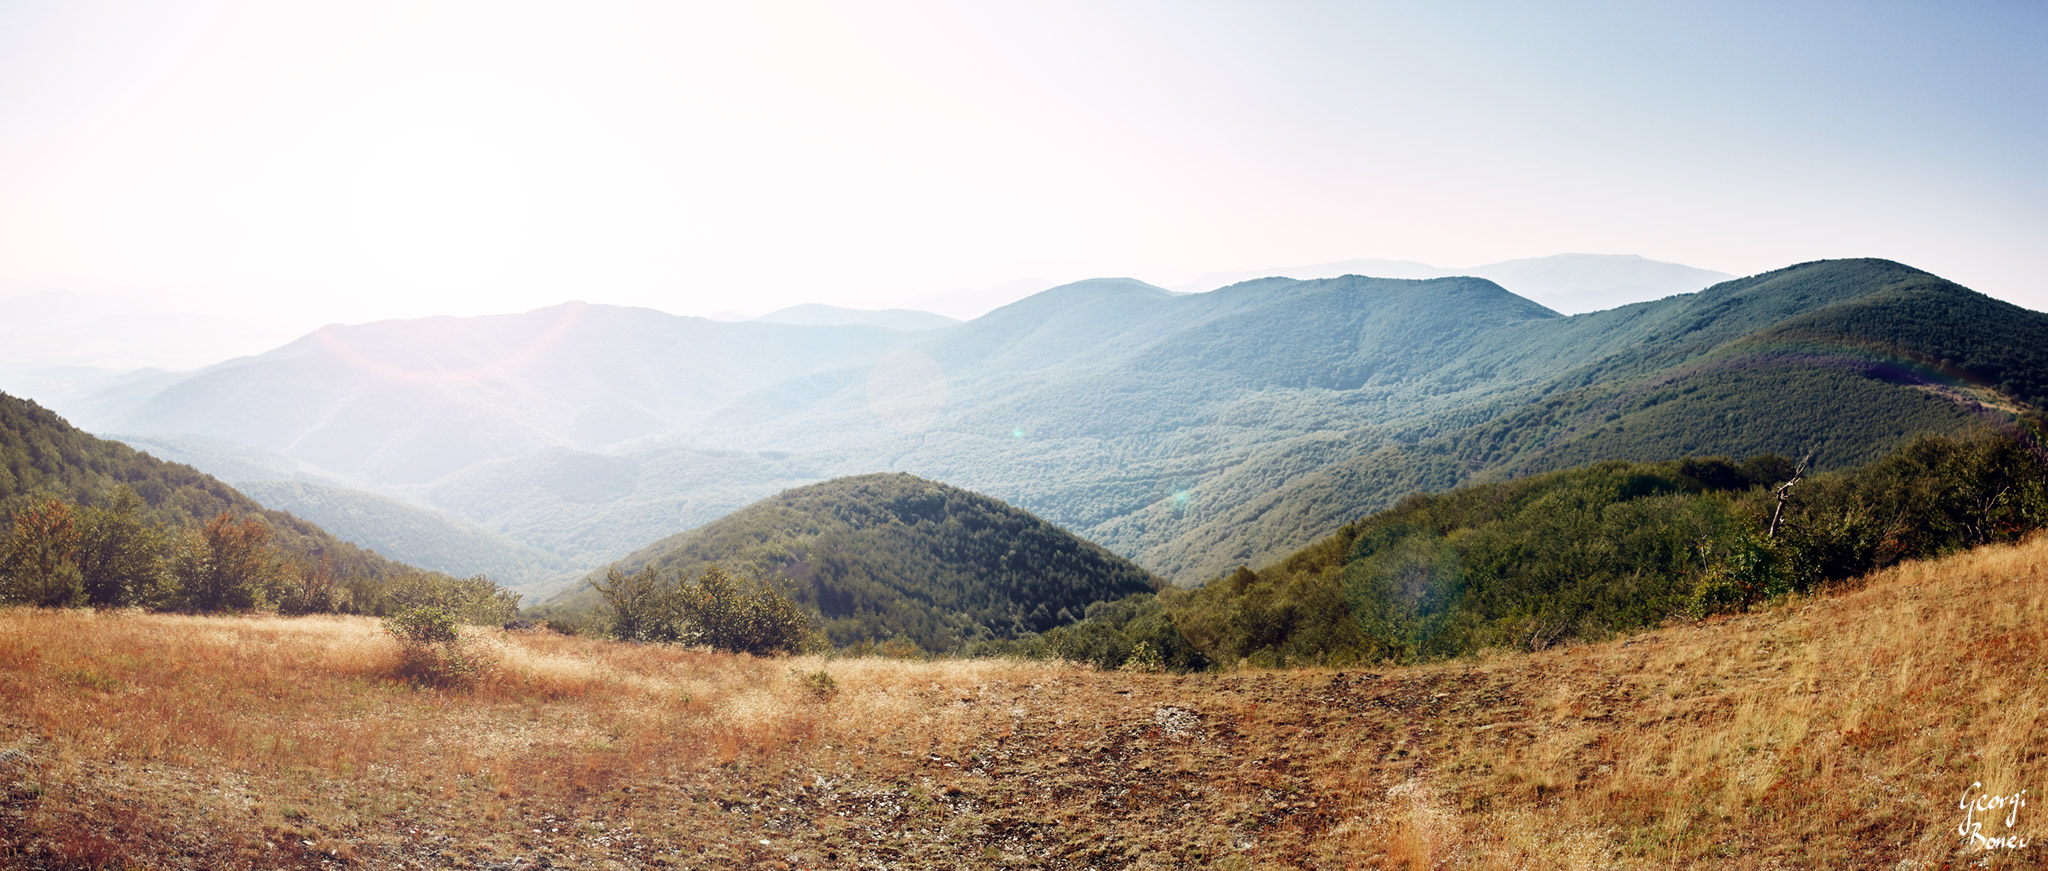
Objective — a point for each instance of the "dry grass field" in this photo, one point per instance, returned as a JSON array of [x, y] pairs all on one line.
[[1833, 732]]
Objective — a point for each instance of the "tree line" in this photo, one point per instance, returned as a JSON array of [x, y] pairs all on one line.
[[1579, 554], [107, 554]]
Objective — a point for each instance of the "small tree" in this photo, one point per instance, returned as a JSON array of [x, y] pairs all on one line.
[[226, 565], [39, 558], [119, 556], [643, 609], [472, 600], [311, 589]]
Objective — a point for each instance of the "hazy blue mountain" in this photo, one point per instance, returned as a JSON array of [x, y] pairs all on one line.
[[406, 402], [813, 314], [966, 304], [591, 507], [1366, 266], [1577, 283], [229, 461], [416, 535], [403, 531], [1842, 358]]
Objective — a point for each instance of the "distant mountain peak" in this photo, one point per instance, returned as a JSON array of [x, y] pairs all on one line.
[[1565, 283], [813, 314]]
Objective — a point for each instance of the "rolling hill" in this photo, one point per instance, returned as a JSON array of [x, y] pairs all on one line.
[[888, 555]]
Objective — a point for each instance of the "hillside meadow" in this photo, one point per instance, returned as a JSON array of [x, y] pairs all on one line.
[[1836, 730]]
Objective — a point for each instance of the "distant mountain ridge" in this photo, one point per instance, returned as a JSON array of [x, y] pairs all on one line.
[[410, 401], [1190, 432], [820, 315], [1568, 283]]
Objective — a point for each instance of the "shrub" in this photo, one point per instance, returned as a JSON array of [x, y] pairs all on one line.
[[819, 684], [720, 611], [432, 651], [643, 609], [717, 610], [475, 600], [1744, 573]]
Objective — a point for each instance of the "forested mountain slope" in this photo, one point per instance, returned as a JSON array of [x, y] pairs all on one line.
[[1613, 547]]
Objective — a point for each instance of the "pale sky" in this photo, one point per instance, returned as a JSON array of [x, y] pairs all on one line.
[[350, 161]]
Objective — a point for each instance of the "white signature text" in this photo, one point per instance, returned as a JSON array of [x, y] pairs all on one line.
[[1972, 828]]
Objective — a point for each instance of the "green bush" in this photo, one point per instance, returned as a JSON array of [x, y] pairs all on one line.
[[819, 684], [719, 611], [432, 651], [1742, 573], [716, 610], [643, 608]]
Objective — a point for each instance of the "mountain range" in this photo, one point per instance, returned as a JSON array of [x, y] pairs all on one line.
[[1189, 432]]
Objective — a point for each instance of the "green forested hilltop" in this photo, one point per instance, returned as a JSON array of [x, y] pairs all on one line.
[[42, 455], [887, 555]]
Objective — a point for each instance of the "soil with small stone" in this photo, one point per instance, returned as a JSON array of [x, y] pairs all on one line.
[[1084, 770]]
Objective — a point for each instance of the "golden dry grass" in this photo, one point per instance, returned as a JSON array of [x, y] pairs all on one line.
[[1836, 731]]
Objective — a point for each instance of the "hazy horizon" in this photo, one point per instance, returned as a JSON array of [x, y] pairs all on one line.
[[291, 166]]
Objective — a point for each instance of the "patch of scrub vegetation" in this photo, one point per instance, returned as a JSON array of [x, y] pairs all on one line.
[[1612, 547]]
